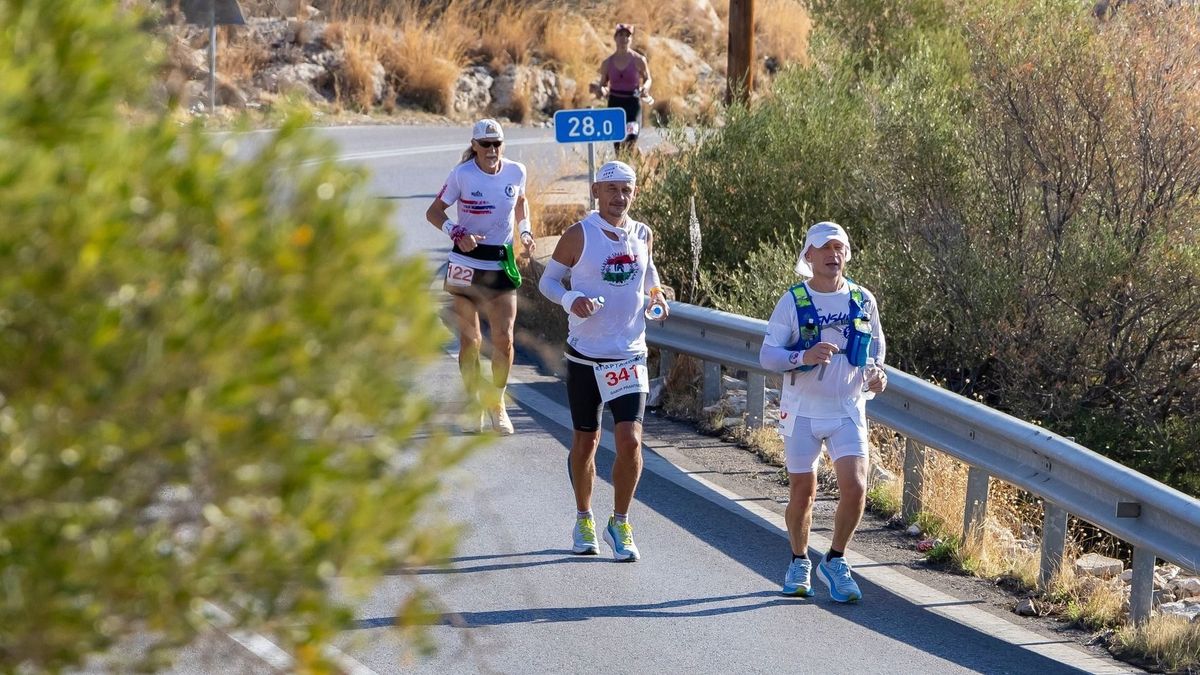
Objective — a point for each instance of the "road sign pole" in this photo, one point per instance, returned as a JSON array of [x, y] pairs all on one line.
[[212, 57], [591, 173], [591, 126]]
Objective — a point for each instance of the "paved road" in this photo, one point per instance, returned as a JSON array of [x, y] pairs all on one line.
[[704, 597]]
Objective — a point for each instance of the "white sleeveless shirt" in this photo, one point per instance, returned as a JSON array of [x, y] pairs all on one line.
[[616, 271]]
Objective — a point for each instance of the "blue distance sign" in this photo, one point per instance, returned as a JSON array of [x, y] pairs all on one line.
[[589, 125]]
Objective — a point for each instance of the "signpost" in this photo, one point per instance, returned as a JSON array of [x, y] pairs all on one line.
[[590, 125], [212, 13]]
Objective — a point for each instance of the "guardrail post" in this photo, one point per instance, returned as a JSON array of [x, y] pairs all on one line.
[[1141, 590], [975, 512], [1054, 542], [712, 383], [666, 360], [914, 479], [756, 394]]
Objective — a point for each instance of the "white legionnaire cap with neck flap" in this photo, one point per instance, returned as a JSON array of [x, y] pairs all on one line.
[[618, 172], [818, 235], [487, 129]]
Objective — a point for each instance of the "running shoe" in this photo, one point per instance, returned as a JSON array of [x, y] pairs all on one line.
[[836, 575], [584, 537], [798, 579], [500, 422], [619, 537]]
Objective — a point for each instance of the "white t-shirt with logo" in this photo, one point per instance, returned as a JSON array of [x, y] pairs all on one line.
[[486, 204]]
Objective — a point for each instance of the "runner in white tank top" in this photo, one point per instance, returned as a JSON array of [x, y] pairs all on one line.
[[614, 284], [490, 193]]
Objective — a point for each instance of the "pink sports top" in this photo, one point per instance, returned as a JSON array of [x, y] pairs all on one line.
[[625, 80]]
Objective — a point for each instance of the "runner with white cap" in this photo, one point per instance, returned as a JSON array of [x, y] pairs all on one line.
[[481, 273], [825, 337], [614, 284]]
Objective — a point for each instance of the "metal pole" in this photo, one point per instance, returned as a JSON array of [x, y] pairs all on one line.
[[212, 56], [1141, 588], [914, 479], [975, 514], [1054, 542], [591, 173], [740, 79]]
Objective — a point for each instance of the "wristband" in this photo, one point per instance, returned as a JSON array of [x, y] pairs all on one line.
[[569, 299], [524, 228], [453, 230], [656, 289]]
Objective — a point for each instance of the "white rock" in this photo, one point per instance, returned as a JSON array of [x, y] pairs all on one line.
[[913, 531], [880, 475], [1185, 610], [1026, 607], [1096, 565], [1127, 576], [728, 382], [473, 90], [1186, 587], [658, 386]]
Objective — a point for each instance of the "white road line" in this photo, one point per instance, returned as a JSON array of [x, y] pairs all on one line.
[[424, 149], [662, 462], [272, 654]]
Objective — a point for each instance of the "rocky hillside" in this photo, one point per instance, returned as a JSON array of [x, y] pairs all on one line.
[[532, 59]]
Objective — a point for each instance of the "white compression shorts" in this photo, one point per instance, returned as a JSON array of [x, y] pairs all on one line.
[[841, 436]]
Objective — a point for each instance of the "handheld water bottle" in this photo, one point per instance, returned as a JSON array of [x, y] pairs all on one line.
[[655, 311]]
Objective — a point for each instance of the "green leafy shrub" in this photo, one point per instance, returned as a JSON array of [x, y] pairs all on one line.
[[209, 364], [1020, 182]]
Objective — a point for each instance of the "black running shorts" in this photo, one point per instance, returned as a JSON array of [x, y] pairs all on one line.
[[485, 284], [583, 395]]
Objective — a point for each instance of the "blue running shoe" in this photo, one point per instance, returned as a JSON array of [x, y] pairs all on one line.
[[619, 536], [836, 575], [584, 537], [798, 580]]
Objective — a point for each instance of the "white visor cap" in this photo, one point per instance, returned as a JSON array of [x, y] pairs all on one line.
[[616, 172], [487, 129], [818, 235]]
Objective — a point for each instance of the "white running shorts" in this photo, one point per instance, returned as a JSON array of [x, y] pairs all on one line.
[[841, 436]]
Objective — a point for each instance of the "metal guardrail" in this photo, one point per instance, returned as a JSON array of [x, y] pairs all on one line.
[[1158, 521]]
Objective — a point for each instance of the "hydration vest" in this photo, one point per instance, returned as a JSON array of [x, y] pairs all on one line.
[[859, 345]]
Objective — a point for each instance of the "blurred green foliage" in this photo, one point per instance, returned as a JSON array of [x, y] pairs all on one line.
[[1020, 183], [209, 364]]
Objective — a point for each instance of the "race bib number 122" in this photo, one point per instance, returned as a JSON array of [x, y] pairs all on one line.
[[457, 275], [622, 377]]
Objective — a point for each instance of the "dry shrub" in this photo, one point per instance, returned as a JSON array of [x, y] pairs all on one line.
[[782, 28], [354, 81], [424, 62], [571, 44], [1172, 641], [240, 54], [508, 31]]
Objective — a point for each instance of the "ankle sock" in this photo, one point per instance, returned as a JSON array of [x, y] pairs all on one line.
[[800, 557], [620, 517], [583, 514], [833, 554]]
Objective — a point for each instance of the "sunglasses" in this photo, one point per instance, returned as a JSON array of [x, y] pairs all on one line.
[[490, 144]]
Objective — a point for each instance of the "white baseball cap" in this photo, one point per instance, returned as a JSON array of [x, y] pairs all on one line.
[[618, 172], [487, 129], [818, 235]]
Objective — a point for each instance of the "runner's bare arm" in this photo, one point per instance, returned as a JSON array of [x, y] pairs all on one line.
[[566, 254], [436, 213]]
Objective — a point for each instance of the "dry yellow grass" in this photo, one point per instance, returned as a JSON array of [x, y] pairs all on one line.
[[782, 29], [239, 55], [1171, 641]]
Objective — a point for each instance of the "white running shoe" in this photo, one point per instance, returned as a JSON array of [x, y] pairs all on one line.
[[798, 579], [501, 424], [619, 537], [470, 422], [583, 537]]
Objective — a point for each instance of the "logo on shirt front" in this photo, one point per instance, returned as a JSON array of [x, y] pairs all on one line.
[[477, 193], [510, 190], [619, 269]]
